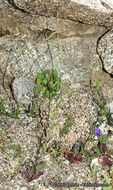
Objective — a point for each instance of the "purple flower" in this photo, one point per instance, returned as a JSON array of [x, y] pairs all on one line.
[[97, 132]]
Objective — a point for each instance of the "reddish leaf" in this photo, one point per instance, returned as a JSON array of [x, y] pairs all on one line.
[[109, 132], [104, 160], [78, 159], [57, 155], [35, 176], [49, 150], [103, 148], [69, 156]]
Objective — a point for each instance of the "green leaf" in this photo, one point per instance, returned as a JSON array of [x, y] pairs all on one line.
[[40, 166], [107, 188], [56, 65], [3, 109], [37, 91], [51, 35], [103, 103], [40, 78], [98, 152], [18, 109], [44, 81], [47, 93], [51, 95], [3, 106], [97, 84], [83, 151], [33, 109], [55, 74], [57, 49], [103, 138], [100, 139], [53, 115], [43, 89], [14, 115], [65, 129]]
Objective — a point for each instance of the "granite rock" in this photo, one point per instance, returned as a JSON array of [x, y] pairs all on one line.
[[105, 49], [23, 90], [99, 12]]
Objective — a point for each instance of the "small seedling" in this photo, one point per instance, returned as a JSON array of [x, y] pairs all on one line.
[[40, 166], [102, 104], [65, 129], [91, 128], [33, 170], [53, 115], [109, 181], [62, 98], [54, 125], [12, 115], [16, 114], [94, 171], [3, 109], [18, 150]]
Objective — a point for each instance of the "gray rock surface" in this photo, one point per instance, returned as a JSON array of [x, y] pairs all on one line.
[[79, 104], [77, 54], [105, 49], [23, 90], [99, 12], [23, 52]]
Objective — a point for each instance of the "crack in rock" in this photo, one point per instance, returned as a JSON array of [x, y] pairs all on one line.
[[99, 54], [12, 4]]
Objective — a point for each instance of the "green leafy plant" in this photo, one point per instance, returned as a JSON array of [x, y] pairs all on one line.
[[67, 126], [102, 104], [48, 83], [54, 151], [103, 138], [33, 170]]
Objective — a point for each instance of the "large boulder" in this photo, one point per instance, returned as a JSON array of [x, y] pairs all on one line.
[[105, 50], [99, 12]]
